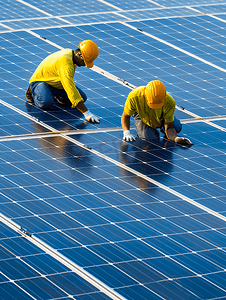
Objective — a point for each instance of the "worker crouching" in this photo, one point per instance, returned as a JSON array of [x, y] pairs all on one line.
[[53, 80], [152, 108]]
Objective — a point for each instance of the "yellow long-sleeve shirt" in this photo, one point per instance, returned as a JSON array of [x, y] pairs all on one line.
[[136, 102], [58, 70]]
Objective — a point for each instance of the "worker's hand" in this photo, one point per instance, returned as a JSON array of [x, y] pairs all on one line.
[[127, 136], [91, 117], [183, 141]]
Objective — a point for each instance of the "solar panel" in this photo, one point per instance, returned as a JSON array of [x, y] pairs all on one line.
[[84, 214], [27, 272]]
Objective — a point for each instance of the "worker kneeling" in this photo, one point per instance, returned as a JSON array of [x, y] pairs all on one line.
[[152, 108], [53, 80]]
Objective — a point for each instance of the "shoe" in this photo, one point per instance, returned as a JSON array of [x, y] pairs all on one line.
[[29, 95], [62, 101]]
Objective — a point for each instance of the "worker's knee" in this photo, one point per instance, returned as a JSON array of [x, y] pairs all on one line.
[[144, 131], [42, 102], [42, 95]]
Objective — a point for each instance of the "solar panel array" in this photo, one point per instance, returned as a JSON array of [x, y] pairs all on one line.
[[85, 215]]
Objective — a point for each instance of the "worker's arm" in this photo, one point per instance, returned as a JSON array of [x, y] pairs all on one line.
[[170, 131], [125, 121], [171, 134], [81, 107], [66, 74]]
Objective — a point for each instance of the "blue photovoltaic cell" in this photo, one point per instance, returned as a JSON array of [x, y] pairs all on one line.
[[213, 9], [33, 23], [133, 5], [103, 230], [145, 218], [96, 18], [156, 12], [68, 8], [17, 10], [181, 87], [30, 272], [192, 2]]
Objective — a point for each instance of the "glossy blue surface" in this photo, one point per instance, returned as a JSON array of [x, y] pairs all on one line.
[[116, 209]]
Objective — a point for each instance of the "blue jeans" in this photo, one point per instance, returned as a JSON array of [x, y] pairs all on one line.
[[146, 132], [43, 94]]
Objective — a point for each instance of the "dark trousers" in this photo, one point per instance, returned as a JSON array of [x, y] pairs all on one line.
[[146, 132], [44, 94]]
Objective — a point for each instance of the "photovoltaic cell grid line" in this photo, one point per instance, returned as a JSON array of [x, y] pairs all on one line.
[[133, 267], [154, 10], [124, 94], [67, 117], [176, 60], [29, 273], [100, 226], [33, 9]]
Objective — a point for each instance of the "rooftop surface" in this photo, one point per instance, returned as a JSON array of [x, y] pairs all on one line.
[[85, 215]]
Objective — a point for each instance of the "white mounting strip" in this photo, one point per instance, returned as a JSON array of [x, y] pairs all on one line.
[[154, 182], [115, 78], [206, 120], [125, 83], [63, 20], [157, 3], [97, 130], [103, 12], [61, 17], [42, 38], [27, 115], [62, 259], [5, 26], [217, 18], [35, 8], [110, 76], [109, 4], [192, 8], [210, 118], [51, 251], [120, 14], [57, 133], [121, 165], [175, 47]]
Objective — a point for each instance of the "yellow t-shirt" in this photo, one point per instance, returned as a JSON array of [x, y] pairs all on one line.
[[58, 70], [136, 102]]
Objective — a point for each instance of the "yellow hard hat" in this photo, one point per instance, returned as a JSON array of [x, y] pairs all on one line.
[[89, 51], [155, 94]]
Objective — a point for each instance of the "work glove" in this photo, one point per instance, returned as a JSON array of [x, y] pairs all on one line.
[[91, 117], [183, 141], [127, 136]]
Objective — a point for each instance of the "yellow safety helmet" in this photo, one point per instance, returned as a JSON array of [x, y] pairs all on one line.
[[89, 51], [155, 94]]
